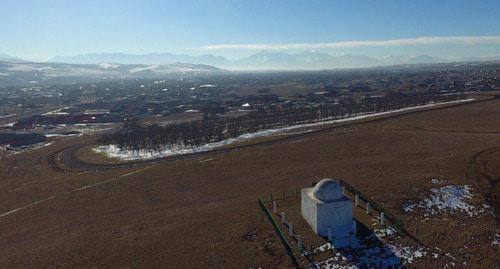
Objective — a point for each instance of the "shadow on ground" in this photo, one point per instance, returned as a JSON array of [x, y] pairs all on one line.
[[372, 252]]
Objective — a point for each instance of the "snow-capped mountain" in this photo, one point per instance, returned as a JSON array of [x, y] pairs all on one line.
[[264, 60], [21, 72], [150, 58]]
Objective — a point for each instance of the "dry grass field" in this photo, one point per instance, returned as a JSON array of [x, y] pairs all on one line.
[[201, 212]]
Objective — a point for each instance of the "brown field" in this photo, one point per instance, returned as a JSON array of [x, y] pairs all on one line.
[[201, 212]]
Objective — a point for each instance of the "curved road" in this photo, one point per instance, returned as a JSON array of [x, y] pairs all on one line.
[[71, 162]]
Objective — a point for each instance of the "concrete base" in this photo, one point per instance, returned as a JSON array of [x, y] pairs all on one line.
[[335, 215]]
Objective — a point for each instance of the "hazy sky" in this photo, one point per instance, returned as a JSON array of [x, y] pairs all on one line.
[[45, 28]]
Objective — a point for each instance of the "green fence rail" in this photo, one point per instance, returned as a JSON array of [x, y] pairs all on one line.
[[287, 245]]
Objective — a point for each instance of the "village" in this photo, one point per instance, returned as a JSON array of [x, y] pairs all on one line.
[[85, 108]]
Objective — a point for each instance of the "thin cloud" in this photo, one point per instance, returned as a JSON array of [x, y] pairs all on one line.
[[458, 40]]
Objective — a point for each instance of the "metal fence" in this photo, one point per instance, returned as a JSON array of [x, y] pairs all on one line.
[[308, 252], [285, 242], [395, 221]]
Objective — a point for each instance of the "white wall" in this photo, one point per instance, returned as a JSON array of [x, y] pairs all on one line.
[[321, 216]]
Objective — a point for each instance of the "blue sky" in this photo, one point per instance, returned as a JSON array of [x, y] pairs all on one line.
[[45, 28]]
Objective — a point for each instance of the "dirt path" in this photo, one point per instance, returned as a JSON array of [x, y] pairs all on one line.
[[114, 179], [484, 169]]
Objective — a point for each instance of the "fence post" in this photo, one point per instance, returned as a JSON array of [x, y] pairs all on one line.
[[290, 229], [356, 199], [368, 208], [283, 217], [275, 207], [381, 218], [279, 232]]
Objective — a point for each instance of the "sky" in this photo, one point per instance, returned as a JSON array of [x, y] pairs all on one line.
[[41, 29]]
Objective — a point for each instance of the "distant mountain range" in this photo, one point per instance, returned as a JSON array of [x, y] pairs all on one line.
[[151, 58], [4, 56], [20, 72], [101, 66], [264, 60]]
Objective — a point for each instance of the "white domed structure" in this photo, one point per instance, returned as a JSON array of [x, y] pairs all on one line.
[[328, 190], [329, 212]]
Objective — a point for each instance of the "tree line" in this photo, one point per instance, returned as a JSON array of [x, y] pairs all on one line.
[[154, 138]]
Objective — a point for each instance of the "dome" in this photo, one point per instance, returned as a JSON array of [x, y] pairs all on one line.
[[328, 190]]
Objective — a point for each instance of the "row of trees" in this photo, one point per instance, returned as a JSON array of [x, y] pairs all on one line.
[[156, 138]]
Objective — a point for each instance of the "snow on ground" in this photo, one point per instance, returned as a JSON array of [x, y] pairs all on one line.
[[381, 233], [408, 254], [57, 112], [9, 124], [382, 249], [379, 250], [448, 199], [207, 86], [62, 135], [409, 206], [9, 150], [438, 181], [4, 116], [376, 256], [496, 240], [78, 129], [114, 151]]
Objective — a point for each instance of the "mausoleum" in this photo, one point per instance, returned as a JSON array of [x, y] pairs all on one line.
[[329, 212]]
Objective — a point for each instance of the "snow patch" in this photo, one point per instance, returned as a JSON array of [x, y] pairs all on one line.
[[17, 150], [408, 253], [62, 135], [207, 86], [390, 255], [9, 124], [382, 249], [438, 181], [57, 112], [4, 116], [451, 198], [496, 240], [114, 151]]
